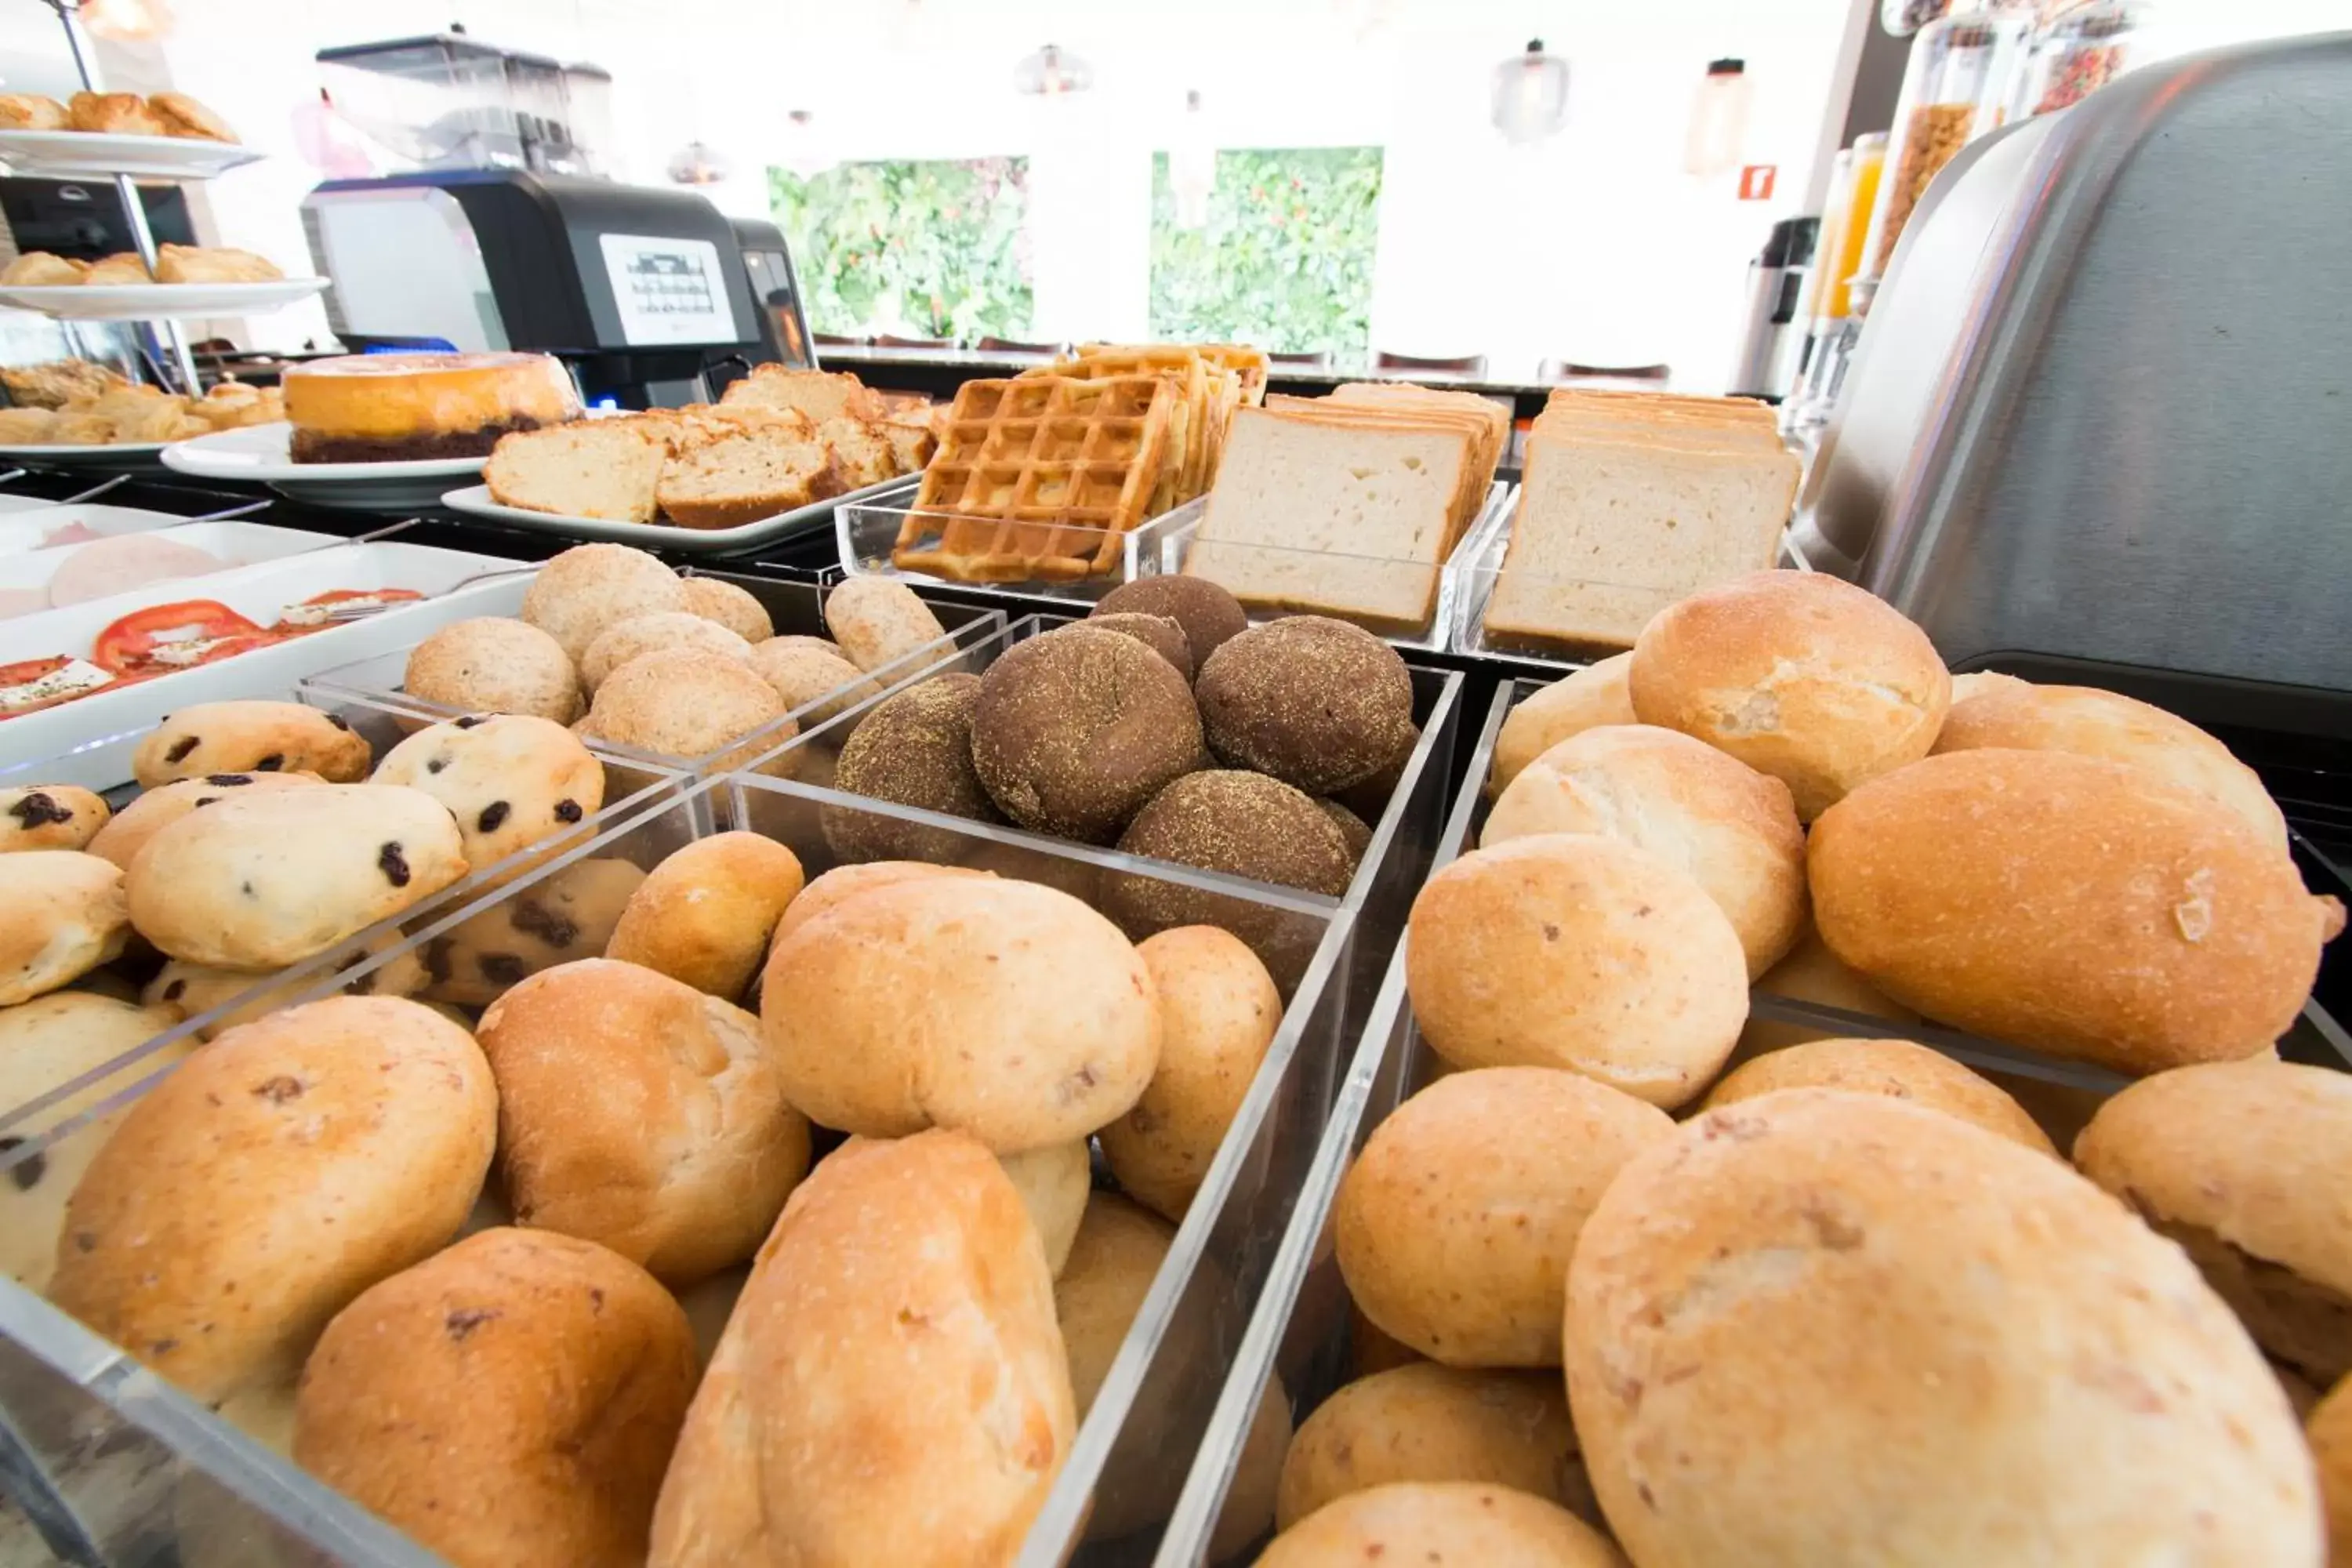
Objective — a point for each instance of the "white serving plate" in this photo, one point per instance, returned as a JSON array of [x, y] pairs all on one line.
[[474, 501], [156, 302], [111, 454], [81, 155], [30, 528], [262, 454], [259, 593], [235, 543]]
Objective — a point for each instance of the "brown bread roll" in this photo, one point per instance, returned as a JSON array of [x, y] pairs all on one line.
[[279, 1173], [1318, 703], [1759, 1305], [1813, 681], [1209, 614], [1902, 1070], [1440, 1524], [2248, 1165], [636, 1113], [2070, 905], [706, 913], [1004, 1008], [914, 748], [1454, 1225], [510, 1403], [891, 1388], [1733, 829], [1585, 699]]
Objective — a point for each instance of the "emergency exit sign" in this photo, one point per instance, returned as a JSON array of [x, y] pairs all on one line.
[[1756, 182]]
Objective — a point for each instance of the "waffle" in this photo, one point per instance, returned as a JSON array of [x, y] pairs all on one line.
[[1189, 423], [1042, 476]]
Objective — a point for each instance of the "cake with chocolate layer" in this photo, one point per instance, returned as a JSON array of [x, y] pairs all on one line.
[[380, 408]]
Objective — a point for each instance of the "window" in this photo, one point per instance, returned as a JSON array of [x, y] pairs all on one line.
[[932, 249], [1284, 260]]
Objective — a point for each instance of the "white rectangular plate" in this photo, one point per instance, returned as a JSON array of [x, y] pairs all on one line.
[[474, 501], [262, 454], [154, 301], [49, 155], [33, 527], [234, 544]]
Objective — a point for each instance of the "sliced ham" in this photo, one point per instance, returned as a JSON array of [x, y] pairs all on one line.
[[125, 562]]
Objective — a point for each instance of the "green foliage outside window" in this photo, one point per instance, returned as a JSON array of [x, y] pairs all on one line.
[[933, 248], [1285, 259]]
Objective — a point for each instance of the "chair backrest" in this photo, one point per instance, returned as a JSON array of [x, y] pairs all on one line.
[[1468, 364], [888, 341], [1570, 370], [1315, 358], [1015, 346]]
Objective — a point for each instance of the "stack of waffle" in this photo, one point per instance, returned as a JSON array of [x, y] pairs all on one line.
[[1041, 477]]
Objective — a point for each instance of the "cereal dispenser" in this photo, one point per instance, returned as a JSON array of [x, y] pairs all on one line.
[[2075, 52], [1961, 77]]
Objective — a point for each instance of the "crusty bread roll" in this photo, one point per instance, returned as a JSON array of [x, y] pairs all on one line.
[[2330, 1433], [1811, 972], [1586, 699], [1054, 1181], [891, 1388], [279, 1172], [1809, 679], [1218, 1013], [1004, 1008], [625, 640], [877, 621], [1454, 1224], [62, 914], [1977, 683], [2075, 906], [1567, 950], [2094, 723], [580, 594], [1440, 1523], [706, 913], [2248, 1165], [1732, 829], [636, 1113], [1902, 1070], [1761, 1305], [510, 1403], [1430, 1422], [846, 882]]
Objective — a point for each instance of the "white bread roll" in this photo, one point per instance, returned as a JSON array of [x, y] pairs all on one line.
[[1055, 1182], [510, 1403], [279, 1173], [878, 621], [625, 640], [1902, 1070], [1731, 828], [2094, 723], [636, 1113], [1979, 681], [1834, 1331], [2330, 1433], [846, 882], [1007, 1009], [1585, 699], [891, 1388], [2249, 1166], [1454, 1225], [706, 913], [1811, 972], [2070, 905], [1440, 1523], [1570, 950], [1813, 681]]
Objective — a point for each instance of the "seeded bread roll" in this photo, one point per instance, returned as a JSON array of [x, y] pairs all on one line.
[[912, 749], [1316, 703], [878, 622], [62, 914], [1757, 1304], [589, 588], [690, 702], [1163, 635], [1074, 730], [279, 1172], [50, 816], [2243, 1164], [1798, 675], [625, 640], [1209, 614], [586, 1361], [1898, 1068], [493, 665], [1585, 699], [730, 606], [1440, 1523], [250, 737], [803, 675], [705, 915], [510, 780]]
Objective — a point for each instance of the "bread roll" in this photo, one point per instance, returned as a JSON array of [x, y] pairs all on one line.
[[494, 665], [706, 913], [1054, 1182], [878, 621], [639, 635], [688, 702], [1759, 1306], [2330, 1432], [1731, 828], [2070, 905], [1977, 683], [1003, 1008], [636, 1113], [891, 1388], [1566, 950], [50, 816], [589, 588], [1587, 699], [730, 606], [1902, 1070], [510, 1403], [1441, 1524], [566, 916], [1454, 1224], [1218, 1013], [2248, 1165], [803, 676], [253, 737], [1809, 679], [510, 780], [116, 113], [1811, 972], [1430, 1422], [846, 882], [2094, 723], [279, 1172], [155, 809], [62, 914]]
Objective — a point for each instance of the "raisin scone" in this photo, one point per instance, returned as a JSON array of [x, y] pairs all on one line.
[[511, 779], [250, 737], [187, 990], [568, 915], [121, 840], [62, 916], [262, 880], [50, 816]]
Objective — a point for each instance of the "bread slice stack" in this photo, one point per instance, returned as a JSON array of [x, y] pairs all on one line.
[[1629, 502], [1350, 505]]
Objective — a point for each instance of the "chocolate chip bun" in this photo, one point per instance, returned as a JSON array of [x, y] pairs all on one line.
[[625, 640], [589, 588], [1208, 613], [730, 606], [1318, 704], [191, 990], [262, 880], [510, 780], [1076, 729], [62, 914], [250, 737], [705, 915], [494, 665], [121, 840], [50, 816], [1163, 635], [912, 749], [567, 915]]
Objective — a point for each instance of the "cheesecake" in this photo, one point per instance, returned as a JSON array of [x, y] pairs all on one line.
[[382, 408]]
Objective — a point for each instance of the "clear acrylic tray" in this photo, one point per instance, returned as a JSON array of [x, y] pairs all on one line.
[[868, 536]]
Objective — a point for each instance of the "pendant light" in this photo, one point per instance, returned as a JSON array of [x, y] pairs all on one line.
[[1718, 122], [1052, 73], [803, 150], [1530, 95], [1192, 167], [698, 163], [126, 21]]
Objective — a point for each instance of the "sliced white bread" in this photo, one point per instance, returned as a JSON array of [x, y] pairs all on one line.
[[600, 469], [1497, 415], [748, 476], [1339, 519], [1477, 473]]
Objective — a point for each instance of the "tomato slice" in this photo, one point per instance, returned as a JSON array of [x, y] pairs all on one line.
[[133, 645]]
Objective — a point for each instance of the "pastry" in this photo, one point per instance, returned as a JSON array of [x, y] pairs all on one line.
[[124, 268], [625, 640], [1315, 703], [212, 264], [31, 111], [251, 737], [62, 914], [369, 408], [114, 113], [39, 269], [493, 665], [59, 381], [510, 780], [590, 588], [27, 426], [567, 915], [910, 749], [128, 833], [50, 816], [705, 915], [184, 116]]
